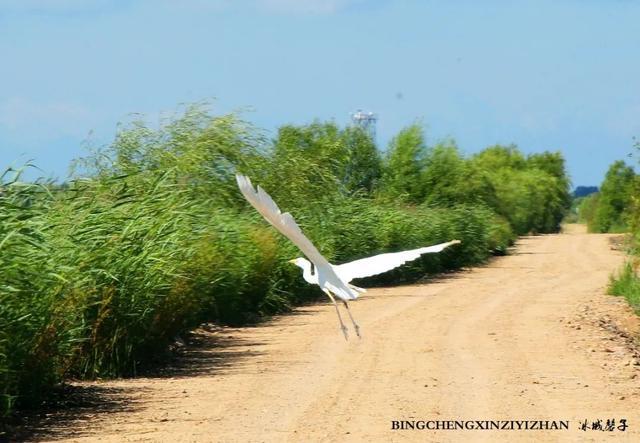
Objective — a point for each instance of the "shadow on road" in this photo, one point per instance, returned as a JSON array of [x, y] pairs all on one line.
[[75, 406], [67, 411]]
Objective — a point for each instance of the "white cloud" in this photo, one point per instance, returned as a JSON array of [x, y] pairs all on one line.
[[305, 6], [52, 6], [27, 117]]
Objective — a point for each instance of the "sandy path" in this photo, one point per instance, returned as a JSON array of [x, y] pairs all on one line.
[[531, 336]]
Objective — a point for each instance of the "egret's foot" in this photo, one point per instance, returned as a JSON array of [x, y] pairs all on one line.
[[357, 328], [345, 331]]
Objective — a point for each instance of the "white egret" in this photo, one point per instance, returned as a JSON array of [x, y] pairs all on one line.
[[332, 279]]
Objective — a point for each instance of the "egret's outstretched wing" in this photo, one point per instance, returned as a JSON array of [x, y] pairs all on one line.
[[284, 223], [378, 264]]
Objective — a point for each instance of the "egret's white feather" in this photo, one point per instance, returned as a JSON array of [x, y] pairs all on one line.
[[332, 279], [285, 223], [366, 267]]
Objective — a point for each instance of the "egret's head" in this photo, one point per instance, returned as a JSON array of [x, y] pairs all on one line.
[[307, 269], [301, 262]]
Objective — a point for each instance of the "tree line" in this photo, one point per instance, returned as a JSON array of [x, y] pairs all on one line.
[[149, 237]]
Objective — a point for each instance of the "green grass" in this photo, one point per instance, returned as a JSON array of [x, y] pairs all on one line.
[[627, 284], [99, 277]]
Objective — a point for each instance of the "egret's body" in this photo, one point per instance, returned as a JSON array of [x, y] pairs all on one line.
[[332, 279]]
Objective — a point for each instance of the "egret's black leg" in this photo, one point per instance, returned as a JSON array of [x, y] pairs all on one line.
[[355, 325], [342, 326]]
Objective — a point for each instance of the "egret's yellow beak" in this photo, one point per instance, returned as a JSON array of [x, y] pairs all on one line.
[[293, 261]]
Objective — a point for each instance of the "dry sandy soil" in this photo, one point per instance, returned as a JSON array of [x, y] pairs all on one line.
[[531, 336]]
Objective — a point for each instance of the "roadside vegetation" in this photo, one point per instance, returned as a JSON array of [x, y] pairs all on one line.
[[610, 209], [616, 209], [149, 237]]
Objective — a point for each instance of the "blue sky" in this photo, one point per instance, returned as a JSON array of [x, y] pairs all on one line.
[[546, 75]]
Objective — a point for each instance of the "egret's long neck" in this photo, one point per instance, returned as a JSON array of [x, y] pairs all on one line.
[[307, 274]]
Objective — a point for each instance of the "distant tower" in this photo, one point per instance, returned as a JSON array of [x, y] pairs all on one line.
[[366, 121]]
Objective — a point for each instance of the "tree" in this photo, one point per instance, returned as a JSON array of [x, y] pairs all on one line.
[[498, 157], [560, 198], [584, 191], [319, 159], [532, 193], [363, 168], [615, 198], [403, 166], [450, 179], [304, 162]]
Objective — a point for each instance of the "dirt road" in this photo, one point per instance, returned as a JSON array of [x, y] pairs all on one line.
[[532, 336]]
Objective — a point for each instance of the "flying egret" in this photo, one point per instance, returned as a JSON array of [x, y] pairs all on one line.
[[332, 279]]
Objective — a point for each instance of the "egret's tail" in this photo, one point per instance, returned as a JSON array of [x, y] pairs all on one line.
[[347, 292], [356, 288]]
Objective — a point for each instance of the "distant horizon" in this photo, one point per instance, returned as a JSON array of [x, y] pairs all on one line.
[[531, 73]]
